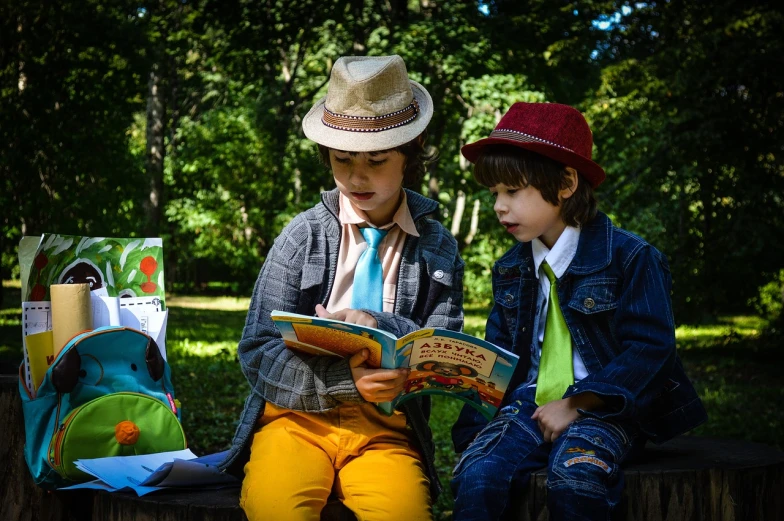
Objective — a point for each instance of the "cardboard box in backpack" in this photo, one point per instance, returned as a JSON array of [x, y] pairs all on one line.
[[107, 393]]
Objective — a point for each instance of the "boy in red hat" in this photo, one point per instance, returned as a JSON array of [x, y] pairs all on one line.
[[587, 307]]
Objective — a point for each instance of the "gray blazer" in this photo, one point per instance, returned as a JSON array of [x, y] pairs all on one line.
[[298, 274]]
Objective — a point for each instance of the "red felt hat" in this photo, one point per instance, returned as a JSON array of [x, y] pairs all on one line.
[[556, 131]]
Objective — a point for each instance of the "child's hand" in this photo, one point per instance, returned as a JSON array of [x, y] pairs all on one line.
[[376, 385], [554, 418], [352, 316]]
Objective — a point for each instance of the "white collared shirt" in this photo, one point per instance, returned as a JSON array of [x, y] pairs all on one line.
[[559, 259]]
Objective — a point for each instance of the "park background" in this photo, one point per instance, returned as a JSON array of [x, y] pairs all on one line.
[[182, 119]]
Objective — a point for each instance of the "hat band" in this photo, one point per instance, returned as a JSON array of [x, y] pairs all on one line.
[[522, 137], [371, 123]]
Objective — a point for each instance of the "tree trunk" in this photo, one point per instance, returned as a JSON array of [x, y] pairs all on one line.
[[458, 215], [155, 152], [474, 227]]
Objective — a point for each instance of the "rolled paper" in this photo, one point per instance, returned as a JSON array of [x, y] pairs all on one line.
[[71, 313]]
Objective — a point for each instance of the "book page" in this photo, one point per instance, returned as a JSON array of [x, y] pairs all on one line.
[[457, 365], [315, 335]]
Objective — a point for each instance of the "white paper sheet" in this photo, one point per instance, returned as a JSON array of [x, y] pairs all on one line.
[[146, 315], [106, 311]]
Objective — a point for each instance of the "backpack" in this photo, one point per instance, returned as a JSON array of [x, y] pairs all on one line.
[[107, 393]]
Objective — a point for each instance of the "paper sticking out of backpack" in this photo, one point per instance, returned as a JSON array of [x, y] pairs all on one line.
[[71, 313], [125, 278]]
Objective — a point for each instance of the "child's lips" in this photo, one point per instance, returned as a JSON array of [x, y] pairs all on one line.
[[510, 227], [362, 196]]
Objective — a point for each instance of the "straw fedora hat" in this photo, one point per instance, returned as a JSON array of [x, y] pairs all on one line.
[[553, 130], [370, 105]]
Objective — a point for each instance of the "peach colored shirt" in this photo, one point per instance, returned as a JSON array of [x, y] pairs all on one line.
[[352, 244]]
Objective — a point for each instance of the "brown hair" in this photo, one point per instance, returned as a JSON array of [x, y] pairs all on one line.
[[415, 152], [514, 166]]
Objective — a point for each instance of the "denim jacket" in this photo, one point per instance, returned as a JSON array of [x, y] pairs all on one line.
[[615, 298]]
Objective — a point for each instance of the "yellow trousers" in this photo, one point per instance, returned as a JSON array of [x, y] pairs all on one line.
[[298, 459]]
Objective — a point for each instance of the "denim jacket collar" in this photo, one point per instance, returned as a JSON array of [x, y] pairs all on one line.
[[594, 251]]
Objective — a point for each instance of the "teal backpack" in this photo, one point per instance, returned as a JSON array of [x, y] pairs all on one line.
[[108, 393]]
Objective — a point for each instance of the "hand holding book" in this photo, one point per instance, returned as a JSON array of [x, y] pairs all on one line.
[[434, 361], [374, 384]]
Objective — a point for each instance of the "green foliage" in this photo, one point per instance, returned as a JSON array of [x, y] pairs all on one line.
[[686, 106], [71, 82], [221, 206], [479, 258], [770, 301]]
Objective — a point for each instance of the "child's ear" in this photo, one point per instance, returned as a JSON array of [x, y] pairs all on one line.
[[571, 179]]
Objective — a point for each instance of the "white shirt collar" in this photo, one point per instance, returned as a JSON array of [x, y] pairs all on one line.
[[562, 253]]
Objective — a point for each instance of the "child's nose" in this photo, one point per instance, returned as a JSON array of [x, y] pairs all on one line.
[[358, 174]]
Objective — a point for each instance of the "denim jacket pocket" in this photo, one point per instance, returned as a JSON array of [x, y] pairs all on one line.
[[507, 297], [595, 295]]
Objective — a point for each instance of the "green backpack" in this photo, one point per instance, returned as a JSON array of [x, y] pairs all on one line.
[[108, 393]]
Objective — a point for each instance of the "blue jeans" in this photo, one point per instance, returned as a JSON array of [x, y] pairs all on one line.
[[584, 476]]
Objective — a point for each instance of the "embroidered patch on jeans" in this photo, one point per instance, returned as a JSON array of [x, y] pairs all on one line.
[[588, 459]]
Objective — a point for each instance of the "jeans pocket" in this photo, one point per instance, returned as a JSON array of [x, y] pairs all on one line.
[[589, 456], [482, 445], [602, 434]]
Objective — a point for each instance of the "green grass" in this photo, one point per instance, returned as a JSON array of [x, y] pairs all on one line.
[[735, 369]]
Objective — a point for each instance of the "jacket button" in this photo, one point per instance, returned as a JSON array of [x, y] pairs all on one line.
[[439, 274], [502, 270], [522, 329], [589, 303], [509, 298]]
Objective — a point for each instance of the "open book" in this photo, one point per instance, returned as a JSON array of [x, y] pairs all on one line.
[[441, 361]]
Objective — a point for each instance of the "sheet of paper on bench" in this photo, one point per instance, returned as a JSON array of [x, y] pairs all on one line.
[[150, 472]]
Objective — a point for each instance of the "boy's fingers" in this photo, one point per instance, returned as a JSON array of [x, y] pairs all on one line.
[[358, 358], [388, 376], [322, 312]]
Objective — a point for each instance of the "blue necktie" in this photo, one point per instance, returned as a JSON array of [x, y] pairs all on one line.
[[368, 289]]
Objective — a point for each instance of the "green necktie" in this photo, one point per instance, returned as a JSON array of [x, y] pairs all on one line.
[[556, 372]]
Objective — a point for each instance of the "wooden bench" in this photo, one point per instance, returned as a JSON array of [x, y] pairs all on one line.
[[686, 479]]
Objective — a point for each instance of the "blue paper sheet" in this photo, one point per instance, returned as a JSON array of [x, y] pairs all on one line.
[[150, 472]]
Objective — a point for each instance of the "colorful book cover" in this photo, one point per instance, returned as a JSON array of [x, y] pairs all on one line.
[[442, 362], [113, 267]]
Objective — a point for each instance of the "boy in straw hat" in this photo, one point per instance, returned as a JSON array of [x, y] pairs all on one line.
[[586, 305], [366, 254]]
